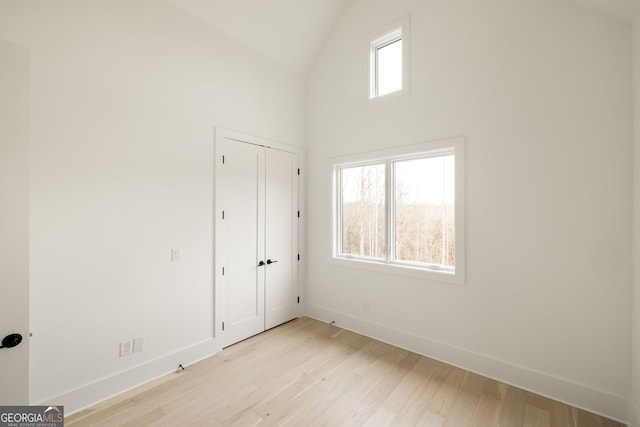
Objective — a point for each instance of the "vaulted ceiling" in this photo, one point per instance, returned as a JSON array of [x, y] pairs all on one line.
[[288, 31], [291, 32]]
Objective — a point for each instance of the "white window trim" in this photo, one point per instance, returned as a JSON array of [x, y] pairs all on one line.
[[399, 29], [444, 146]]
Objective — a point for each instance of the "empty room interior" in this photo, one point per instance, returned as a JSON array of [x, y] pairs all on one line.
[[207, 203]]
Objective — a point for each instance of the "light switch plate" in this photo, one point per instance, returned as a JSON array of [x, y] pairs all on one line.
[[138, 344]]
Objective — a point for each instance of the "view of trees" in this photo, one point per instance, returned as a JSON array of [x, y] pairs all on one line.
[[425, 233], [363, 211], [424, 226]]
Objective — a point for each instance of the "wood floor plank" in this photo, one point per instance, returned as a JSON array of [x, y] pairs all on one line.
[[588, 419], [308, 373], [266, 387], [318, 409], [350, 399], [562, 415], [392, 397], [513, 407], [429, 419], [192, 413], [415, 409], [148, 403], [305, 384], [145, 419], [466, 401], [401, 395], [488, 409], [443, 399], [486, 412], [246, 419], [536, 417], [335, 384], [369, 404]]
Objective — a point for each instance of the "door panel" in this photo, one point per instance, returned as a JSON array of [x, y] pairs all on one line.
[[14, 221], [240, 245], [281, 237]]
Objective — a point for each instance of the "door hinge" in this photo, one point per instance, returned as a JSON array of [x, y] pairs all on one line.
[[223, 160], [298, 300], [298, 257], [298, 214], [223, 271], [222, 214], [298, 171], [223, 326]]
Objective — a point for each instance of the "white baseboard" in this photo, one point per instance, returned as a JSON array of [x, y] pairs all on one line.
[[634, 414], [563, 390], [98, 391]]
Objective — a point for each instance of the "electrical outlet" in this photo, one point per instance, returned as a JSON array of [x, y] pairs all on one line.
[[125, 348], [138, 344], [175, 255], [365, 305]]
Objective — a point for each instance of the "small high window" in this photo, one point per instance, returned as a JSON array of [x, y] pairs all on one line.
[[387, 61]]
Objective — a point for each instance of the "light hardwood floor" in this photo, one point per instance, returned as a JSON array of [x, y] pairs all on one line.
[[308, 373]]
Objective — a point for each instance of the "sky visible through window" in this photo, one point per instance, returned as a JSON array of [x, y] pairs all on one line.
[[389, 68], [426, 180]]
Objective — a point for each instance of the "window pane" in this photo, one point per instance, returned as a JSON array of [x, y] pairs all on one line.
[[425, 210], [363, 211], [389, 67]]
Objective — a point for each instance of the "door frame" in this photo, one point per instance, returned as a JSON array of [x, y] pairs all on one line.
[[239, 137]]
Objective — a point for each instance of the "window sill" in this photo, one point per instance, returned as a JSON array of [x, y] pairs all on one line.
[[399, 270]]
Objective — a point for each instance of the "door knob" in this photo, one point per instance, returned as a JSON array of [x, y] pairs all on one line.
[[11, 341], [271, 262], [261, 263]]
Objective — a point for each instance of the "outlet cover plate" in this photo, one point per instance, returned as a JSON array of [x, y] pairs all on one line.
[[125, 348]]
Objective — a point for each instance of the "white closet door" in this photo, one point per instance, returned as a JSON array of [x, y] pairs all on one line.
[[240, 238], [256, 241], [281, 252], [14, 221]]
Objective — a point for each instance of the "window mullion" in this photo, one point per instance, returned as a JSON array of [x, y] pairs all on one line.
[[338, 211], [390, 217]]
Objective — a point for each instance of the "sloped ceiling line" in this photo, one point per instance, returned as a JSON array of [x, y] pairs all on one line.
[[291, 32]]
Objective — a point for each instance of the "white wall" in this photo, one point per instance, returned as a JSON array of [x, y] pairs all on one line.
[[14, 220], [542, 92], [634, 409], [125, 96]]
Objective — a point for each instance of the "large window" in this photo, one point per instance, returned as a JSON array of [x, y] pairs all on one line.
[[403, 209]]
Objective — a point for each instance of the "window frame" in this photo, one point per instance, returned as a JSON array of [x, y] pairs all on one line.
[[397, 30], [455, 146]]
